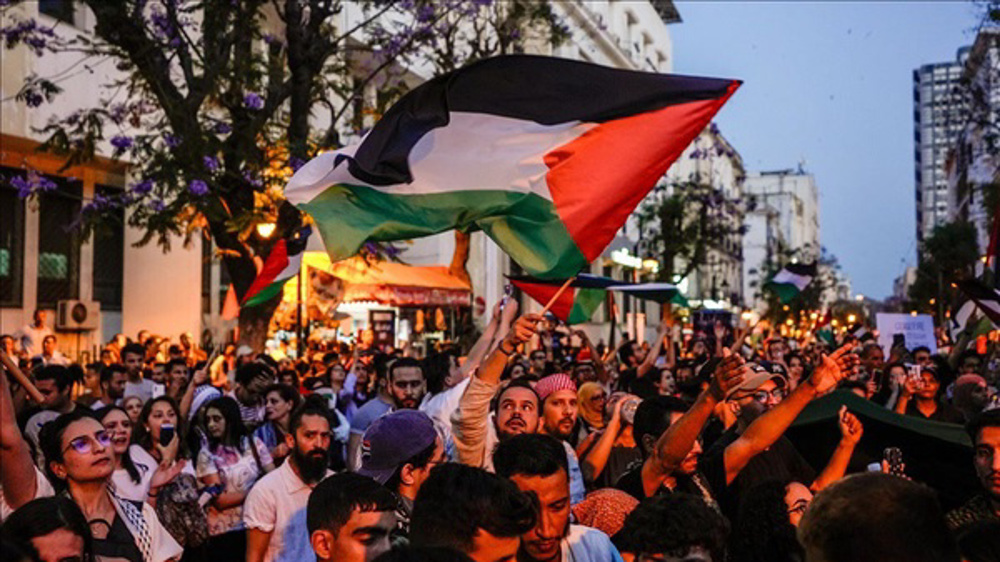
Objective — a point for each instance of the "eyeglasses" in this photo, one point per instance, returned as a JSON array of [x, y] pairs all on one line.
[[762, 395], [85, 443]]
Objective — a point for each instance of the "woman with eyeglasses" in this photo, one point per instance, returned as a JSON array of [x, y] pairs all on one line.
[[231, 463], [80, 460], [765, 527], [50, 529]]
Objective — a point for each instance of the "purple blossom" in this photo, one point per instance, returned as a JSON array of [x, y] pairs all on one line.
[[273, 40], [295, 163], [253, 101], [371, 248], [157, 205], [27, 32], [121, 143], [223, 128], [45, 184], [23, 186], [198, 188], [425, 13], [171, 141], [254, 181], [211, 163], [143, 187]]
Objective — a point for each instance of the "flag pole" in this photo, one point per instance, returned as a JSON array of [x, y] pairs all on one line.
[[21, 378], [552, 301]]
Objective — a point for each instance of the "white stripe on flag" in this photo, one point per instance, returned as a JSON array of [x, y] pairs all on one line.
[[475, 151], [785, 276]]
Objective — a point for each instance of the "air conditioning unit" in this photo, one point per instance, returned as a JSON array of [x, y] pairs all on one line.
[[72, 315]]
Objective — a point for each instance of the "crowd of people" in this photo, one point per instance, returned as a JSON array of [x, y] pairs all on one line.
[[534, 444]]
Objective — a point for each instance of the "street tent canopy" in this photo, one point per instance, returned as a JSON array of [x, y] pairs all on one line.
[[389, 283]]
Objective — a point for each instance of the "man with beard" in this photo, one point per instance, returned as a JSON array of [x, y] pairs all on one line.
[[537, 465], [275, 508], [984, 431], [669, 447], [133, 357], [516, 406], [407, 383], [755, 449]]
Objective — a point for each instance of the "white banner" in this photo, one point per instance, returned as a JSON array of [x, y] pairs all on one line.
[[916, 330]]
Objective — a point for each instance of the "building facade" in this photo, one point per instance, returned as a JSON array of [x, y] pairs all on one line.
[[973, 161], [939, 107], [784, 219]]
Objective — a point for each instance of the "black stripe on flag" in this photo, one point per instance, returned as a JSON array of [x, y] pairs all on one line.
[[986, 298], [544, 90], [803, 269]]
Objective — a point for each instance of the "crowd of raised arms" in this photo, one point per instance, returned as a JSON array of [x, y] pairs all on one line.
[[532, 445]]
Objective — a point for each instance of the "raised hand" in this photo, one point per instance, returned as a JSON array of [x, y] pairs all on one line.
[[509, 311], [729, 374], [832, 368], [719, 329], [851, 428], [525, 327]]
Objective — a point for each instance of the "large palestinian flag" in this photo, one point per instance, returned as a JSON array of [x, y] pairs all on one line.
[[547, 156], [791, 280], [282, 264]]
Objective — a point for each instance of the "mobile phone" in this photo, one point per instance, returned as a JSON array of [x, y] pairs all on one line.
[[166, 434], [894, 459]]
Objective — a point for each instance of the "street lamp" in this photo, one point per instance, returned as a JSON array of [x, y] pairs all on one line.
[[266, 229], [851, 318]]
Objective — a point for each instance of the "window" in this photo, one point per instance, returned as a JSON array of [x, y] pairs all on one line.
[[109, 257], [58, 243], [11, 240], [61, 10]]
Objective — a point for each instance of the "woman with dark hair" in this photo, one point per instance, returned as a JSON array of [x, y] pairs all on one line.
[[232, 462], [765, 527], [279, 402], [175, 495], [50, 529], [132, 480], [79, 459]]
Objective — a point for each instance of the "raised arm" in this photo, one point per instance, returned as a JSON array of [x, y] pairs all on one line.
[[766, 429], [593, 463], [850, 433], [650, 361], [602, 373], [676, 442], [485, 342], [17, 472]]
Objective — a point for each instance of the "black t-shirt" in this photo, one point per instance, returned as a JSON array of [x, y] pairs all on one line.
[[944, 413], [781, 461], [701, 483], [118, 544]]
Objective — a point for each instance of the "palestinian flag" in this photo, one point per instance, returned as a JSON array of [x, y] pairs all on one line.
[[791, 280], [657, 292], [282, 264], [986, 298], [576, 304], [548, 156]]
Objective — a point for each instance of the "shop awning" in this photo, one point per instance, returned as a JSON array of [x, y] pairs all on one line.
[[394, 284]]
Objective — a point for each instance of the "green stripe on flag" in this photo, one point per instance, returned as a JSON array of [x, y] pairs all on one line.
[[524, 225], [265, 294], [585, 304], [785, 291]]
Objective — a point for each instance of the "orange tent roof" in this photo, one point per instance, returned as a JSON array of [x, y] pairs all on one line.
[[356, 271]]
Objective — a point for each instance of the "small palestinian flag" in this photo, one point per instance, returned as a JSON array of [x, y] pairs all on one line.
[[656, 292], [548, 156], [576, 304], [986, 298], [791, 280], [282, 264]]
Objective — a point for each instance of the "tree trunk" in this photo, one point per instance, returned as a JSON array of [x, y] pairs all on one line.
[[254, 322], [460, 258]]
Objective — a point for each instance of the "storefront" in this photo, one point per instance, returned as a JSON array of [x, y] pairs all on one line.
[[390, 302]]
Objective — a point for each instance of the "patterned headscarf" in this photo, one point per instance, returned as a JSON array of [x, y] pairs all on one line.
[[605, 510]]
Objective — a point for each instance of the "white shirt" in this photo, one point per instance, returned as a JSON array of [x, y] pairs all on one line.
[[145, 389], [43, 489], [126, 488], [277, 505], [585, 544], [31, 338]]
